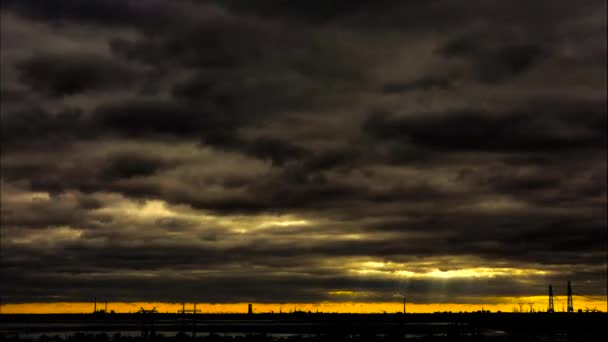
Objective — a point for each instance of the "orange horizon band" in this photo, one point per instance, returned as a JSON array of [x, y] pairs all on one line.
[[509, 305]]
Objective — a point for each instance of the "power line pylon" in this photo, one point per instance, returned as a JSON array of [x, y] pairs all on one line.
[[531, 307], [570, 306], [521, 307], [551, 308]]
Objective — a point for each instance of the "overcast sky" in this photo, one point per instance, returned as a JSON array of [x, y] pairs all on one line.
[[302, 151]]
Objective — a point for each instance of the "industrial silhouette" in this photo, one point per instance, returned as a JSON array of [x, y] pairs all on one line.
[[531, 307], [471, 326], [550, 308], [543, 325]]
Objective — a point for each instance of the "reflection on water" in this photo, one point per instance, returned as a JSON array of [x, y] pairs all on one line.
[[230, 328], [311, 328]]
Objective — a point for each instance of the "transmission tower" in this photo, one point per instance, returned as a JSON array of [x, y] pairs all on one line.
[[551, 308], [531, 307], [570, 306], [521, 307]]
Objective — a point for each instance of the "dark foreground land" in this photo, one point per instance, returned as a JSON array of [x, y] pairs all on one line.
[[306, 327]]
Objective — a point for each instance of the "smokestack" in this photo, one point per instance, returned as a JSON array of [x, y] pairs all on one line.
[[250, 311], [95, 306]]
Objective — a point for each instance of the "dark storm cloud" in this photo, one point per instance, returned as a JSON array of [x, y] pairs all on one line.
[[552, 185], [86, 10], [196, 146], [497, 63], [63, 277], [197, 121], [415, 15], [128, 165], [277, 151], [150, 15], [264, 288], [149, 118], [542, 129], [39, 215], [40, 129], [420, 84], [233, 42], [69, 75]]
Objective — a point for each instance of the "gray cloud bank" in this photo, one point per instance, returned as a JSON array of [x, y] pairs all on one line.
[[227, 151]]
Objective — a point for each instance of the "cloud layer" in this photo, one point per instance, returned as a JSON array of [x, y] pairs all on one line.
[[302, 151]]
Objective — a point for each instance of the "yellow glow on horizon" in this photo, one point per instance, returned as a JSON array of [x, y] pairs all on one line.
[[504, 304]]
